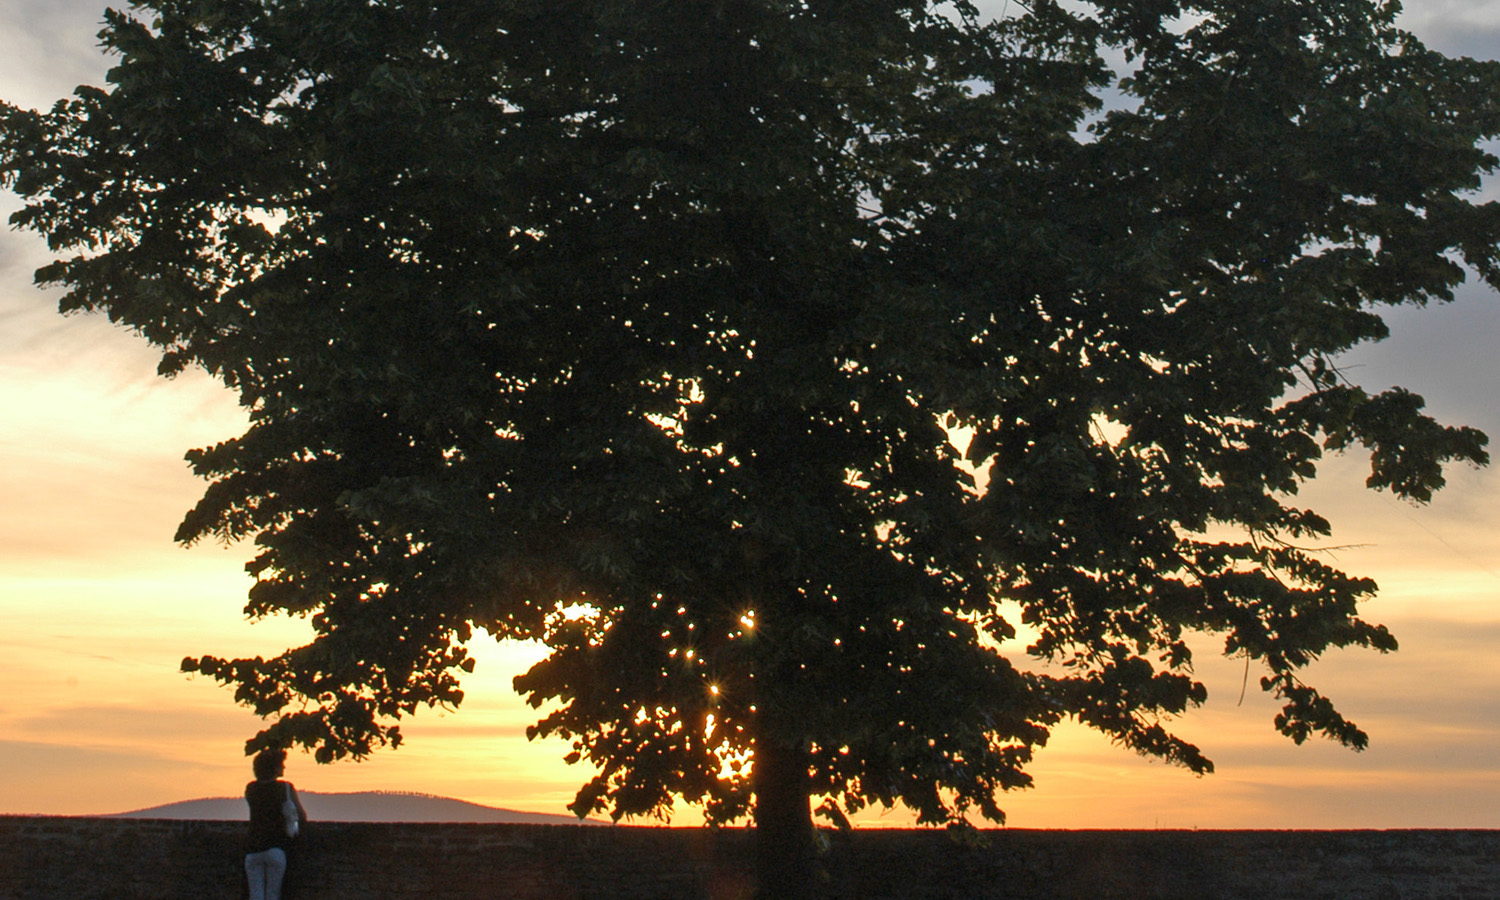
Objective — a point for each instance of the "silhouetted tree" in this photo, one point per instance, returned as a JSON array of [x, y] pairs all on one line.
[[667, 333]]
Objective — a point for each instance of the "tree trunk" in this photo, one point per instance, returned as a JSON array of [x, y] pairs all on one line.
[[784, 850]]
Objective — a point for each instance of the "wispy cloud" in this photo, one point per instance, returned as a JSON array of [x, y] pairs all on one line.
[[1456, 27], [48, 47]]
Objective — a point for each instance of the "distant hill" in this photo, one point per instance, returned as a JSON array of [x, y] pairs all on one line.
[[366, 806]]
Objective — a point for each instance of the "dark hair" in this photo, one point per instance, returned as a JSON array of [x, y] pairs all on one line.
[[268, 764]]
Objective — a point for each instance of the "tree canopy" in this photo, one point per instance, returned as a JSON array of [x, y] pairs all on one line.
[[772, 362]]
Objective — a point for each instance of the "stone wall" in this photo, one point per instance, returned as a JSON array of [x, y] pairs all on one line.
[[54, 858]]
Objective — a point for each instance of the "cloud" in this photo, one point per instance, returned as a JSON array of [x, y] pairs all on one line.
[[104, 725], [60, 778], [48, 47], [94, 461], [1443, 351], [1455, 27], [1431, 709]]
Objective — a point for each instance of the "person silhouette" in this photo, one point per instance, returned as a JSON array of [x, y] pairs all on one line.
[[265, 852]]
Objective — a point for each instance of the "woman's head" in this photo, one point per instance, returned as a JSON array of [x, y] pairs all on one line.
[[269, 764]]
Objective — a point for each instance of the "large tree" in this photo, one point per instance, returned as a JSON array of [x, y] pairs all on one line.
[[673, 335]]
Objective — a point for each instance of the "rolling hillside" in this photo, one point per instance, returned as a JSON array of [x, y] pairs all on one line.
[[367, 806]]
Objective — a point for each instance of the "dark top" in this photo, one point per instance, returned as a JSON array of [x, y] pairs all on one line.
[[267, 827]]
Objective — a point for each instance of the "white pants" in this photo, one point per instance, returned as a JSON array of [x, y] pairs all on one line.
[[265, 871]]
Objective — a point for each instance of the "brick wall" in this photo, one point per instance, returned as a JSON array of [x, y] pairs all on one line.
[[47, 858]]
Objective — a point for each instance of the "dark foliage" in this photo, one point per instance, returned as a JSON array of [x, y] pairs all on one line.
[[671, 334]]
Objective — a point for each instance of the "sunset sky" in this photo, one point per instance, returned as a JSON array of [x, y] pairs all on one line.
[[98, 605]]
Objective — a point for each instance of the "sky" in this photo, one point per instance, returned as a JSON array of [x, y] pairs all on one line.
[[98, 606]]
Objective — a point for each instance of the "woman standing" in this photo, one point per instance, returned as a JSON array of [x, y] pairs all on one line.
[[265, 855]]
